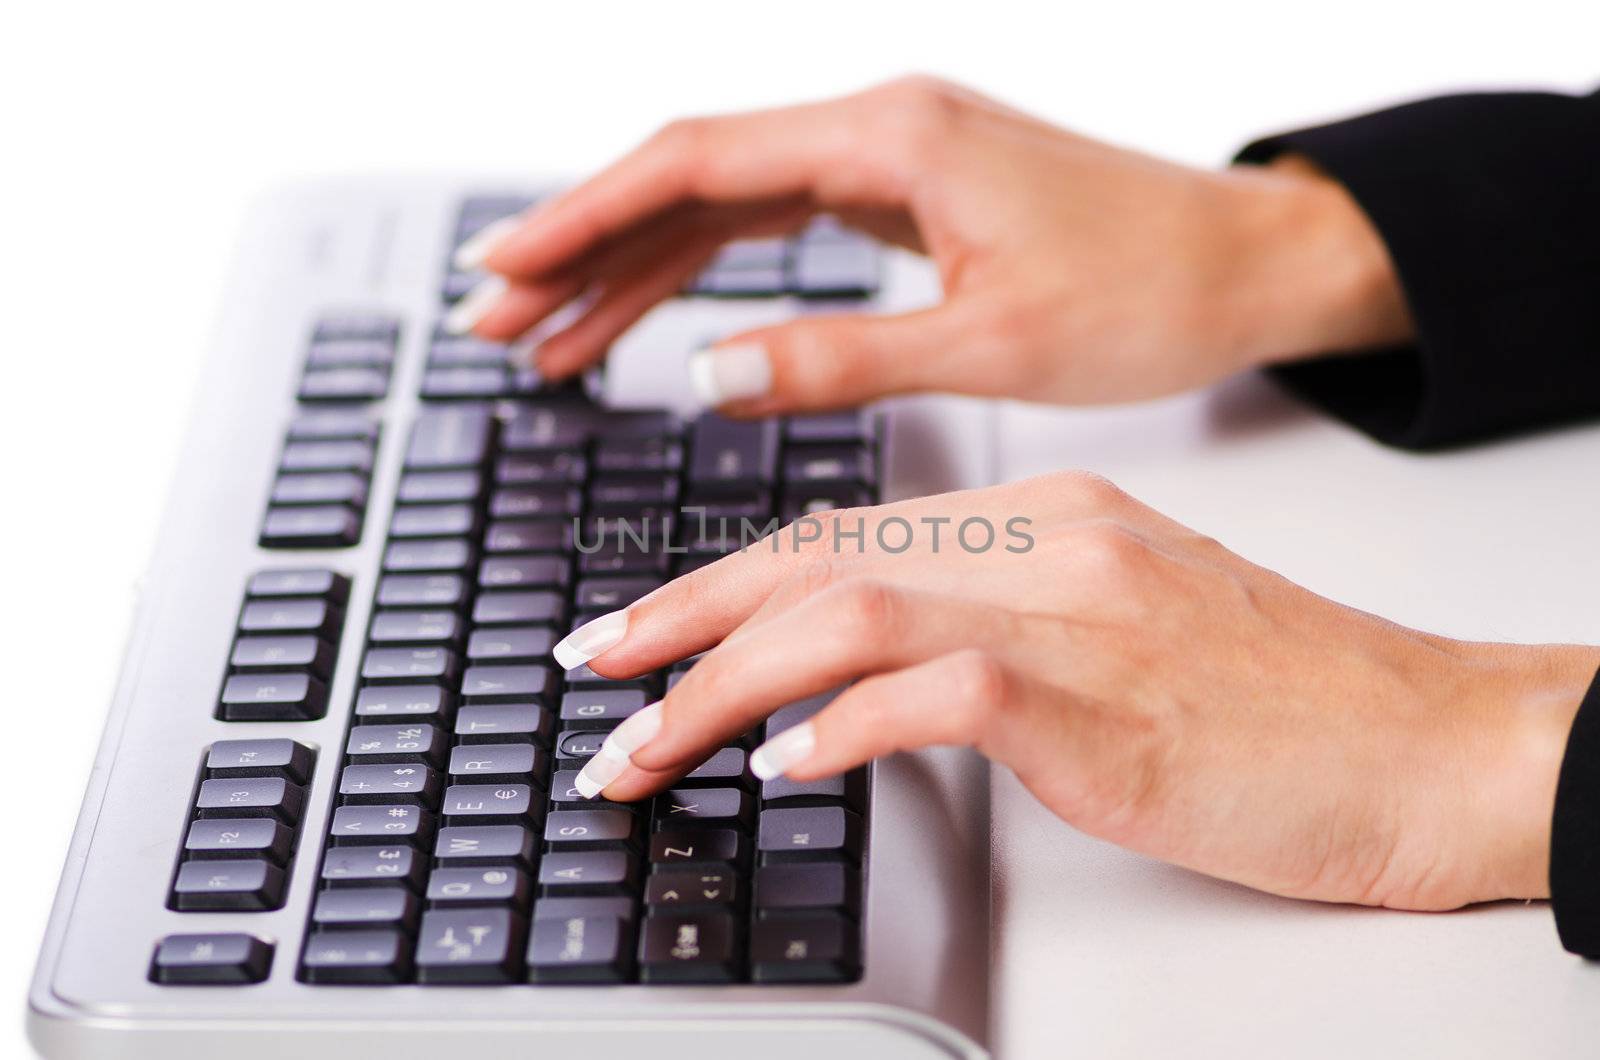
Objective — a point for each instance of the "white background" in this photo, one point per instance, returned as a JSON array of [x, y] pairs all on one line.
[[137, 134]]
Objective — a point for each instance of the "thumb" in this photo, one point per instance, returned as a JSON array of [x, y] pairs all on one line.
[[824, 362]]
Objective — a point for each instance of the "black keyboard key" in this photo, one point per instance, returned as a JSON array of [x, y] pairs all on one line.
[[580, 949], [452, 437], [820, 885], [240, 758], [834, 270], [526, 469], [470, 946], [421, 703], [849, 789], [486, 844], [226, 837], [610, 559], [243, 885], [728, 766], [316, 617], [251, 797], [456, 351], [467, 804], [527, 682], [683, 888], [388, 824], [307, 582], [357, 325], [302, 652], [704, 807], [433, 520], [812, 949], [853, 426], [519, 608], [357, 957], [479, 886], [579, 746], [656, 454], [689, 948], [809, 499], [415, 627], [388, 784], [672, 847], [396, 743], [344, 384], [332, 425], [444, 384], [526, 502], [422, 590], [611, 594], [391, 906], [528, 535], [581, 677], [444, 555], [727, 453], [505, 761], [212, 959], [593, 829], [495, 722], [362, 865], [546, 428], [439, 487], [564, 792], [580, 872], [805, 466], [626, 494], [350, 353], [511, 644], [601, 708], [557, 907], [810, 832], [524, 572], [332, 487], [327, 456], [410, 665]]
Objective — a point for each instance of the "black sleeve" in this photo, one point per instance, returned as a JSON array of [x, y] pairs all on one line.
[[1575, 833], [1490, 207]]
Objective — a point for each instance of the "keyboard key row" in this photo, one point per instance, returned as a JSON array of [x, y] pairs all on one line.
[[284, 653]]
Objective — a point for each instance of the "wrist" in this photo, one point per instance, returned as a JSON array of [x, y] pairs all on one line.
[[1510, 789], [1311, 275]]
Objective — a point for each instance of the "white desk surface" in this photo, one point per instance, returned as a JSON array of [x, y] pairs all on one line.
[[1102, 953]]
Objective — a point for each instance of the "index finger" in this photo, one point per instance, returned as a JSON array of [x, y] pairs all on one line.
[[811, 150]]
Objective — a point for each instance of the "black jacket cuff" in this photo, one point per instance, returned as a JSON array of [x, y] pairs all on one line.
[[1575, 833]]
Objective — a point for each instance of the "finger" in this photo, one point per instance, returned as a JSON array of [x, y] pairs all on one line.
[[501, 311], [806, 151], [856, 629], [966, 698], [830, 362]]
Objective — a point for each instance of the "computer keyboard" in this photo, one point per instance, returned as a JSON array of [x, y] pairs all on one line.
[[339, 776]]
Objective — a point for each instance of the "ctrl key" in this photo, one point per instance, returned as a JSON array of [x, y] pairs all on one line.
[[211, 960], [356, 957]]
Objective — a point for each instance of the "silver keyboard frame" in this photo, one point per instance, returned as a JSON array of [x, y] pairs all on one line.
[[380, 243]]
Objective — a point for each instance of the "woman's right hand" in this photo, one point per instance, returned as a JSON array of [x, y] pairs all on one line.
[[1072, 271]]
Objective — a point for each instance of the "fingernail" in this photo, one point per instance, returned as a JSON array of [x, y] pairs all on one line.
[[633, 733], [784, 751], [599, 771], [474, 305], [471, 254], [590, 639], [730, 373]]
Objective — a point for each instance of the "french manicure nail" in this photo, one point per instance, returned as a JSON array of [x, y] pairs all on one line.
[[599, 771], [474, 305], [471, 254], [784, 751], [730, 373], [590, 639], [633, 733]]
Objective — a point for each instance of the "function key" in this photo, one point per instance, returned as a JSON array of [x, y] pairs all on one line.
[[350, 353], [283, 653], [273, 696], [303, 582], [251, 797], [240, 758], [290, 615], [239, 837], [211, 959], [333, 424], [356, 325], [328, 487], [244, 885], [334, 526], [327, 456], [344, 384], [373, 956]]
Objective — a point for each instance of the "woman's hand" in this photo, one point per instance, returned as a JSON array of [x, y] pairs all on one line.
[[1073, 271], [1145, 683]]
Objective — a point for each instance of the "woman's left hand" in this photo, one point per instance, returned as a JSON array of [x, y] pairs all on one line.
[[1149, 686]]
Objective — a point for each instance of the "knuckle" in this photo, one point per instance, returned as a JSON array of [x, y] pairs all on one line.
[[680, 135], [868, 611], [1109, 549], [978, 685], [913, 115], [1093, 490]]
